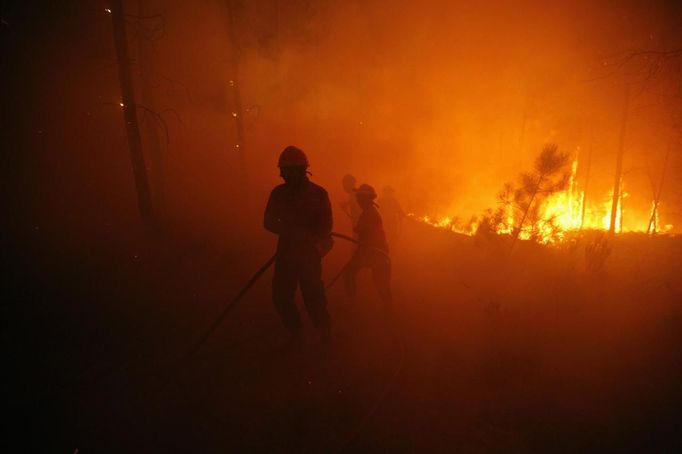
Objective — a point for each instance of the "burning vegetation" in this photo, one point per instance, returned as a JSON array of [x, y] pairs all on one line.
[[548, 205]]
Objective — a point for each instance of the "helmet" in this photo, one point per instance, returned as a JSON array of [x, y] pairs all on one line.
[[292, 157], [367, 191], [348, 183], [348, 179]]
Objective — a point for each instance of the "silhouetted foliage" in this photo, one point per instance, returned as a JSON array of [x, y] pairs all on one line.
[[520, 202], [596, 253]]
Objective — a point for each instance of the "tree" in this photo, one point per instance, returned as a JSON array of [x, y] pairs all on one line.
[[619, 163], [548, 176], [130, 115], [151, 119]]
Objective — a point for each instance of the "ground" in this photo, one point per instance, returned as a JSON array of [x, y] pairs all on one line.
[[481, 353]]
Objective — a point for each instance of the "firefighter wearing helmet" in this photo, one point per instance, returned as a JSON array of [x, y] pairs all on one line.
[[372, 252], [299, 212]]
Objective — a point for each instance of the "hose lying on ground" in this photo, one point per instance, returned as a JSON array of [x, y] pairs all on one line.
[[384, 392], [246, 288], [197, 345], [200, 342]]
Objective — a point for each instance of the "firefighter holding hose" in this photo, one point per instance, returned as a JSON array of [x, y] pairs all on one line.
[[299, 212], [372, 251]]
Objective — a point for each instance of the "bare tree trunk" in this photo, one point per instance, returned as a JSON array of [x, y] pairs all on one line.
[[657, 196], [653, 198], [619, 163], [621, 209], [130, 115], [151, 127], [588, 169]]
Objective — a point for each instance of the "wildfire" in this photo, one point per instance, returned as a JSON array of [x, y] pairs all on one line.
[[561, 213]]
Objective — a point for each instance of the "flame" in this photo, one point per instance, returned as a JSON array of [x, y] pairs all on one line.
[[561, 213]]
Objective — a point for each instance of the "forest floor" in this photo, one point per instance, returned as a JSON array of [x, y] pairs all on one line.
[[480, 353]]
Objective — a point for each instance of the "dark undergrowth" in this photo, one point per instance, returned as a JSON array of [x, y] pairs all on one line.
[[481, 352]]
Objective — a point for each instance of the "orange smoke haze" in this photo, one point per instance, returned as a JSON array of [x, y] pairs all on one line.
[[562, 341], [444, 101]]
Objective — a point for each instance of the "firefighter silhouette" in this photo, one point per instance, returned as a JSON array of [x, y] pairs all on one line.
[[372, 252], [299, 212], [350, 206]]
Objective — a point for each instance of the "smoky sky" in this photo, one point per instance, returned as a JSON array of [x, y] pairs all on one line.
[[445, 101]]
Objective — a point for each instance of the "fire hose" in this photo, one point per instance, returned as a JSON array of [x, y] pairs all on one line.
[[345, 267], [197, 345], [353, 240], [231, 305], [351, 436], [200, 342]]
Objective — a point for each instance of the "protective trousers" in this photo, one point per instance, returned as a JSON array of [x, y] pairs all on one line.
[[302, 266], [380, 266]]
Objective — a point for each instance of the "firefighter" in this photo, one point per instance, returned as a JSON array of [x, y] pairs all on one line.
[[299, 212], [373, 249], [350, 206]]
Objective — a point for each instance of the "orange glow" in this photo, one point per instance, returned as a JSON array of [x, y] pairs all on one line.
[[561, 213]]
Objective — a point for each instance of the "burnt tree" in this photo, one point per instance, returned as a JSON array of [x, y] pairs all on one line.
[[130, 115], [619, 163], [651, 228], [151, 135]]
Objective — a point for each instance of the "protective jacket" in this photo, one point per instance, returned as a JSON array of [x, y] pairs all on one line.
[[371, 236], [301, 216], [370, 230]]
